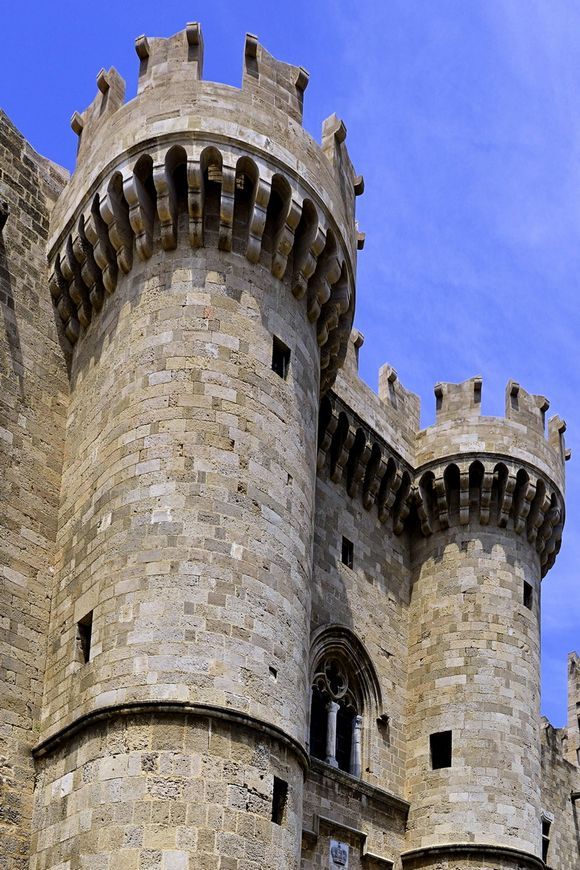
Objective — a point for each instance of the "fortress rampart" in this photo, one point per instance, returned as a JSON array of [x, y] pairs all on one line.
[[284, 625]]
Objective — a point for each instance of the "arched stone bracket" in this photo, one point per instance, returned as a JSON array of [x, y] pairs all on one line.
[[472, 488], [260, 212]]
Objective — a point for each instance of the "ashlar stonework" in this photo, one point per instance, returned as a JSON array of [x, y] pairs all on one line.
[[253, 617]]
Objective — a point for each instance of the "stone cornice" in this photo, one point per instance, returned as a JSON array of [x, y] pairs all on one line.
[[378, 796], [169, 708], [479, 850]]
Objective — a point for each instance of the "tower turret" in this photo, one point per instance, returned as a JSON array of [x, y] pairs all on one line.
[[202, 262], [490, 497]]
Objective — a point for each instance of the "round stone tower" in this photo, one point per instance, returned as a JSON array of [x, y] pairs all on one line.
[[202, 261], [488, 529]]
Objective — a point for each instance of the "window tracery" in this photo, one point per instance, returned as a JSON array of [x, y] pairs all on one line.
[[345, 698], [335, 721]]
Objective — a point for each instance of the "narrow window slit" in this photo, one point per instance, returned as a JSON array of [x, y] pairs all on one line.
[[84, 633], [440, 745], [280, 357], [347, 552], [546, 824], [279, 798]]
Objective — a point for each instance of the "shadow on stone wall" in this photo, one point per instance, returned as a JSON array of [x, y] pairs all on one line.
[[10, 323]]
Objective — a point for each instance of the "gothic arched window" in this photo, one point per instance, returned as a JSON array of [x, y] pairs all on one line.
[[345, 694], [335, 720]]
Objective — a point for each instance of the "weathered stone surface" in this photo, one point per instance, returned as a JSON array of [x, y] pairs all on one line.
[[225, 520], [33, 401]]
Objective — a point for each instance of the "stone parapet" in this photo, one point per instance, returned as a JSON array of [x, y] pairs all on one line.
[[236, 161], [33, 403], [466, 468], [503, 471], [521, 435], [166, 789]]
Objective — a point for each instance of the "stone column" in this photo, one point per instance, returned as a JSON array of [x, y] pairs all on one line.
[[356, 753], [332, 709]]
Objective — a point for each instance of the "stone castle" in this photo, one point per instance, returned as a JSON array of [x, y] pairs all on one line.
[[253, 617]]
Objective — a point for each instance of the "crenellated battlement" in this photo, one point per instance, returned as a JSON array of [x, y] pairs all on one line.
[[466, 468], [266, 112], [179, 55], [522, 435], [236, 162], [110, 96], [485, 489]]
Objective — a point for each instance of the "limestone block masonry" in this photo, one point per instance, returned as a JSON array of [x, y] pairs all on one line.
[[253, 616]]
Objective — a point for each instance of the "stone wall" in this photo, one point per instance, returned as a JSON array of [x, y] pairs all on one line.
[[369, 820], [166, 791], [371, 599], [474, 671], [560, 779], [33, 398], [187, 512]]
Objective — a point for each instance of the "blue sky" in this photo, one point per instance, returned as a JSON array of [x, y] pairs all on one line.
[[464, 117]]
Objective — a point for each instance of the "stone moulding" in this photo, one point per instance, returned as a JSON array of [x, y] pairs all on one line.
[[491, 489], [480, 851], [169, 708], [379, 796], [261, 211]]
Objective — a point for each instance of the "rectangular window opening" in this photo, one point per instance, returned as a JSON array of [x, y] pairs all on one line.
[[545, 839], [347, 552], [440, 745], [280, 357], [528, 595], [84, 632], [279, 797]]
